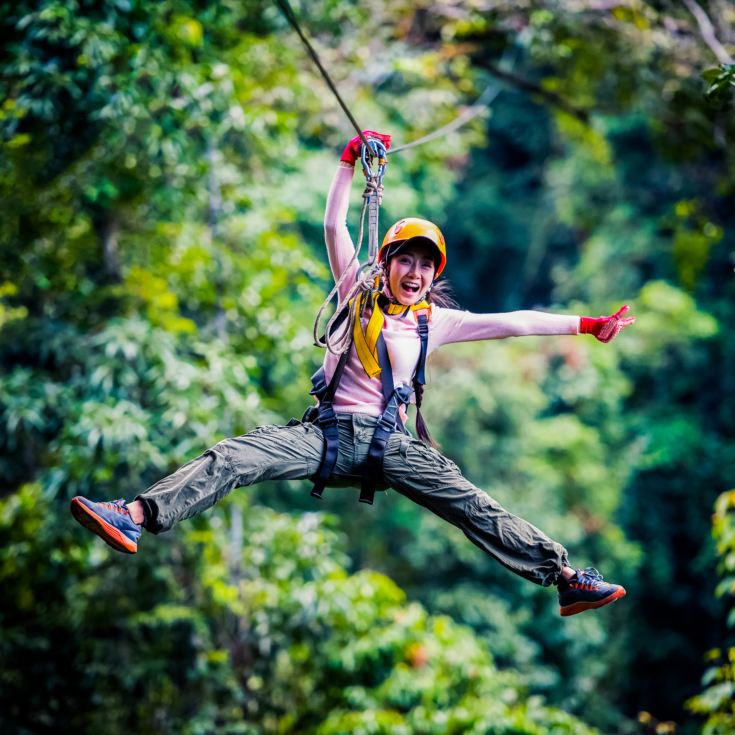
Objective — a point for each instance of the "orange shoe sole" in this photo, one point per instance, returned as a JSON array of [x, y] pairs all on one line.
[[579, 607], [92, 522]]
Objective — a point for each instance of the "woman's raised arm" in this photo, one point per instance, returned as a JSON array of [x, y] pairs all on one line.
[[340, 247]]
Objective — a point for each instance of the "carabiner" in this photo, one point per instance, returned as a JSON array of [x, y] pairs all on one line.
[[377, 149]]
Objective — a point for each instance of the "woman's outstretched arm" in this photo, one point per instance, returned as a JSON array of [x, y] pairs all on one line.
[[450, 325]]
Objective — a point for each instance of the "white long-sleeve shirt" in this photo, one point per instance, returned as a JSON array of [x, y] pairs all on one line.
[[357, 393]]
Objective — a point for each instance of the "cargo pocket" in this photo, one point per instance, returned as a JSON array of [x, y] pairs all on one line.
[[421, 458]]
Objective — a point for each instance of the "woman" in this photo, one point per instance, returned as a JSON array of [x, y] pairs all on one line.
[[356, 434]]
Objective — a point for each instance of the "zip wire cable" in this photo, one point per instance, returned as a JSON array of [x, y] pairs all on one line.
[[291, 18], [482, 102]]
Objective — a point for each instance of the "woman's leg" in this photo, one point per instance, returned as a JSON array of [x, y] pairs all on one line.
[[430, 479], [266, 453]]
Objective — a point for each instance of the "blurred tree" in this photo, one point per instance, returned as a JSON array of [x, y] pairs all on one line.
[[296, 646], [717, 702], [162, 172]]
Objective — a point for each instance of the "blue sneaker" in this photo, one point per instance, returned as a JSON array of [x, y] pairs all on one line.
[[110, 521], [586, 591]]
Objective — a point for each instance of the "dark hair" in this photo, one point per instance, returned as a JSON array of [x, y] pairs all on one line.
[[440, 295]]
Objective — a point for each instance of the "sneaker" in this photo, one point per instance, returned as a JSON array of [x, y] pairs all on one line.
[[586, 591], [110, 521]]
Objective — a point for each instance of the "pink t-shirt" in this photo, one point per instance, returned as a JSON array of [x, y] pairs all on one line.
[[358, 393]]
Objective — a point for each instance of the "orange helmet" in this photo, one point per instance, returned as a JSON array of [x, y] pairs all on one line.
[[410, 227]]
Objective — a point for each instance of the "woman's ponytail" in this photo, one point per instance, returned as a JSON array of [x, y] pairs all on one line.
[[440, 295], [421, 428]]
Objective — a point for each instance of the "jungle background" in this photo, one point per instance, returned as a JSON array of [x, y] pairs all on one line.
[[163, 175]]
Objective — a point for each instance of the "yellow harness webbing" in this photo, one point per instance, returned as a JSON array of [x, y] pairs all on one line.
[[366, 338]]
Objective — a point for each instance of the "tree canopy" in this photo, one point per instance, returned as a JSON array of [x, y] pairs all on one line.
[[163, 171]]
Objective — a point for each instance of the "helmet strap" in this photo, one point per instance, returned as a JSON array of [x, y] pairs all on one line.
[[384, 285]]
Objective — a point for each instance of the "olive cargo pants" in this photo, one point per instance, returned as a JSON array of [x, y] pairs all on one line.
[[413, 469]]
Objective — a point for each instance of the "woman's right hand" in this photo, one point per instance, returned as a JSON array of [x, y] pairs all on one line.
[[605, 328], [353, 149]]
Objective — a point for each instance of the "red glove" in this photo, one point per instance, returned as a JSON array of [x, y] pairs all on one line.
[[605, 328], [353, 149]]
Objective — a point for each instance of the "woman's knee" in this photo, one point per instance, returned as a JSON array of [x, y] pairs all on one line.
[[413, 461]]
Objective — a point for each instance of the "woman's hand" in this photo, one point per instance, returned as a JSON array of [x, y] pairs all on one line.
[[606, 328], [353, 149]]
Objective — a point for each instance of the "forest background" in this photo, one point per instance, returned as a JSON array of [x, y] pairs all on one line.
[[163, 176]]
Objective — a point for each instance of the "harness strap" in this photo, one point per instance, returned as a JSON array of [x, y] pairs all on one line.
[[387, 424], [386, 371], [422, 319], [326, 417], [327, 421]]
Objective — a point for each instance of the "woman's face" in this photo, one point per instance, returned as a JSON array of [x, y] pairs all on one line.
[[411, 273]]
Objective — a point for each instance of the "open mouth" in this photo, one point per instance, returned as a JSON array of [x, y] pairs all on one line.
[[412, 288]]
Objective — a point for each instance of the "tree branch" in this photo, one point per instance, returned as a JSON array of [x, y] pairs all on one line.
[[707, 31], [528, 86]]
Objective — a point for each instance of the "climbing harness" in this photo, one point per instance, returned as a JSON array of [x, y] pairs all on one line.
[[396, 398]]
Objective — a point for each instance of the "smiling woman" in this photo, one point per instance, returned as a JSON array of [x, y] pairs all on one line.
[[356, 435]]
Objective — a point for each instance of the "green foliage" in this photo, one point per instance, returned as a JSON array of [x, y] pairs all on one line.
[[721, 81], [162, 176], [275, 637], [717, 702]]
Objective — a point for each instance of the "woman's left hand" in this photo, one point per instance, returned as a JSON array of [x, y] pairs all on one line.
[[353, 149], [606, 328]]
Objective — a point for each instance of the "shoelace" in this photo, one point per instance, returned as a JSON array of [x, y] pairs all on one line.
[[592, 573], [588, 575], [119, 506]]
